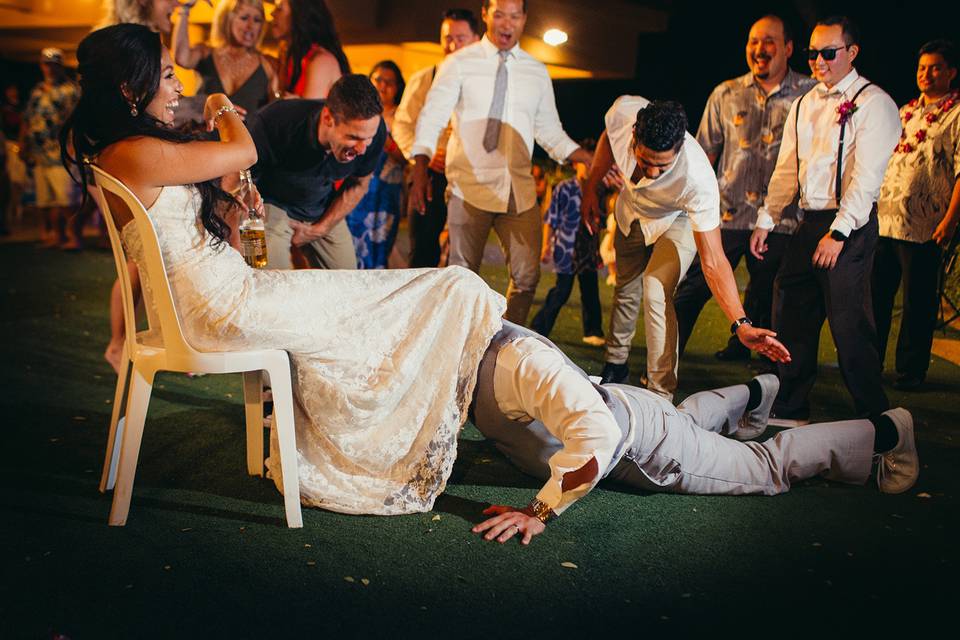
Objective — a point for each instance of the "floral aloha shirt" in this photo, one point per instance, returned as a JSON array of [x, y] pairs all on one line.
[[919, 180], [743, 126]]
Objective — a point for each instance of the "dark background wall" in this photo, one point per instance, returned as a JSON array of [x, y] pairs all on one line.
[[704, 45]]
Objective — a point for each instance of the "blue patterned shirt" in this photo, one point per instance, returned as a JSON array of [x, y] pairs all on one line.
[[46, 111], [573, 251]]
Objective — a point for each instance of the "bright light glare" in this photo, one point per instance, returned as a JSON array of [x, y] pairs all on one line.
[[555, 37]]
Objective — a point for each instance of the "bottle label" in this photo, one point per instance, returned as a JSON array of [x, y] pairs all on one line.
[[253, 246]]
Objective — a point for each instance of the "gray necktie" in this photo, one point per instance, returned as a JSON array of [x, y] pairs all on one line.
[[492, 134]]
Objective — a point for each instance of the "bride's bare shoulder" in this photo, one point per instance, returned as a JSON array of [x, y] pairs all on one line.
[[123, 155], [125, 161]]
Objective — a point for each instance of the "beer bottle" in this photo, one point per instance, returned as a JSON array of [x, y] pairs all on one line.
[[253, 236]]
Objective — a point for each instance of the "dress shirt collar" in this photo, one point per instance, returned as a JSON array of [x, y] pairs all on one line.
[[491, 50], [840, 87]]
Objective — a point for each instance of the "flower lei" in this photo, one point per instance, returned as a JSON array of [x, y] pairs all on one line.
[[946, 103], [846, 110]]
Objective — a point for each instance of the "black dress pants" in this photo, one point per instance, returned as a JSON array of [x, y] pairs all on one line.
[[557, 297], [425, 229], [693, 291], [804, 296], [915, 265]]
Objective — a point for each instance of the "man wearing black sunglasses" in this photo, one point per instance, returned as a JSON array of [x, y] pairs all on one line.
[[836, 143]]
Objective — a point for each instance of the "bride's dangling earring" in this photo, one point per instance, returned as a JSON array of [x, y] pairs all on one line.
[[133, 111]]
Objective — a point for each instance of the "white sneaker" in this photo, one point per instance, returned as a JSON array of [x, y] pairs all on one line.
[[899, 468], [595, 341], [754, 423]]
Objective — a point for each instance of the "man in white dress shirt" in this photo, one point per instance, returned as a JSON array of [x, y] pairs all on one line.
[[667, 211], [458, 29], [552, 422], [501, 100], [826, 270]]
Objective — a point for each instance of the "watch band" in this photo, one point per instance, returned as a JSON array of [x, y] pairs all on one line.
[[837, 235], [539, 510], [740, 321]]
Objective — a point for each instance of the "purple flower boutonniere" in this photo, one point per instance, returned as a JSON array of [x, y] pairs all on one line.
[[845, 110]]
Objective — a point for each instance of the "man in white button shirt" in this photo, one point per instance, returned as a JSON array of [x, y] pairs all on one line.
[[501, 100], [554, 423], [458, 29], [667, 211], [826, 270]]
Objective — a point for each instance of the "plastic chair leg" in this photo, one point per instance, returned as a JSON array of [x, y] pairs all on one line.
[[115, 436], [253, 406], [138, 400], [286, 436]]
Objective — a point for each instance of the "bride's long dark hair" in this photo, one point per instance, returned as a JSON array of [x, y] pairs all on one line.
[[127, 56]]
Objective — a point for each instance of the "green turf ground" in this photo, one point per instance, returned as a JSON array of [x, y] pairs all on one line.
[[206, 552]]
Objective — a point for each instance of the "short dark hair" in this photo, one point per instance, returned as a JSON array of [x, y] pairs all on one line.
[[851, 32], [787, 31], [945, 48], [486, 5], [463, 15], [353, 97], [660, 126]]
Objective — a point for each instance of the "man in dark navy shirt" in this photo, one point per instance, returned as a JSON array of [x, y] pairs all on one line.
[[315, 160]]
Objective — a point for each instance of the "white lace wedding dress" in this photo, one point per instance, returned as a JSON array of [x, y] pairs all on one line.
[[383, 362]]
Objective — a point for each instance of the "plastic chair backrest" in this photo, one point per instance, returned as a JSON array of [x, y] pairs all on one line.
[[120, 260], [117, 197]]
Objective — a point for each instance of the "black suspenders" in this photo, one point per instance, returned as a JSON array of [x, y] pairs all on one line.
[[843, 129]]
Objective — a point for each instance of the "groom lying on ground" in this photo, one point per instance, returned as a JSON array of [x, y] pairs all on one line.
[[552, 422]]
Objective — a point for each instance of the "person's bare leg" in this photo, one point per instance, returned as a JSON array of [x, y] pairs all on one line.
[[76, 221], [48, 238], [114, 352]]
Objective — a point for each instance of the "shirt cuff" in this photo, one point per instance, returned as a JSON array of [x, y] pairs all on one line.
[[421, 150], [550, 495], [765, 220], [564, 150], [558, 501], [840, 224]]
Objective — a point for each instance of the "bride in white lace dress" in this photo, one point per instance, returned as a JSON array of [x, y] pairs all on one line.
[[384, 363]]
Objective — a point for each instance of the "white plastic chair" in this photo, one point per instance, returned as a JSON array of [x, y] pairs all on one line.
[[169, 351]]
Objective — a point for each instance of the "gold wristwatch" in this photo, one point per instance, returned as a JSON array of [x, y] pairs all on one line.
[[539, 510]]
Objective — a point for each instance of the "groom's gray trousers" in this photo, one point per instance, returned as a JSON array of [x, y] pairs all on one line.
[[681, 449]]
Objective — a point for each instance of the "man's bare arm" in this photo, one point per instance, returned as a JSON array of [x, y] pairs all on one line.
[[344, 202], [943, 234], [719, 277], [590, 209]]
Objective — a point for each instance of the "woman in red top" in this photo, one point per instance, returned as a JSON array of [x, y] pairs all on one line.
[[311, 56]]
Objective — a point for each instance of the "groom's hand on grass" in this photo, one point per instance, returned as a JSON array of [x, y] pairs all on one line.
[[507, 522]]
